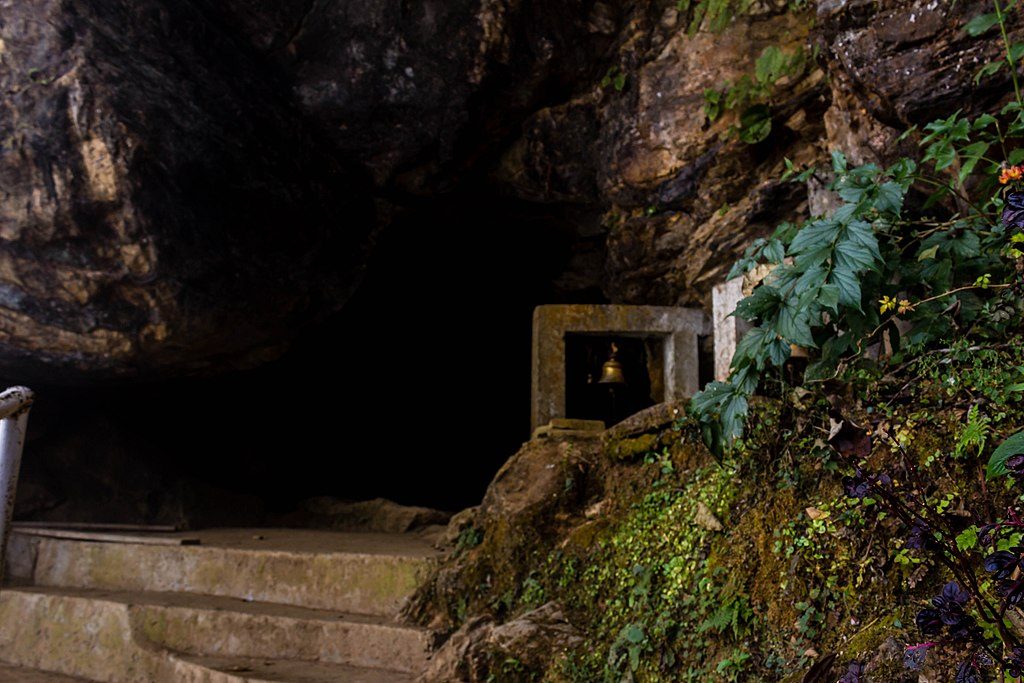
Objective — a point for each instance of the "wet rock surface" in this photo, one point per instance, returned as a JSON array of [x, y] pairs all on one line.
[[187, 184], [532, 640], [163, 208]]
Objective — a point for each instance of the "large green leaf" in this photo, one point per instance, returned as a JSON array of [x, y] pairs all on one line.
[[814, 235], [794, 324], [889, 198], [763, 303], [981, 23], [750, 347], [849, 287], [853, 255], [828, 297], [1014, 445]]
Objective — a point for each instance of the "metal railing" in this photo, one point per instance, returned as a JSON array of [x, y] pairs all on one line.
[[14, 407]]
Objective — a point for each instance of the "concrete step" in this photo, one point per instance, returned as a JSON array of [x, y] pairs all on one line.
[[361, 573], [211, 625], [124, 638], [17, 674], [239, 670]]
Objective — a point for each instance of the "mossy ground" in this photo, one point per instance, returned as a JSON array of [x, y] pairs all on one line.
[[796, 573]]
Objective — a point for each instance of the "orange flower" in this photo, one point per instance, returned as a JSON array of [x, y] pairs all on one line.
[[1012, 173]]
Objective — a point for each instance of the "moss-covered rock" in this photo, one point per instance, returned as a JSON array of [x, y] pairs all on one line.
[[795, 577]]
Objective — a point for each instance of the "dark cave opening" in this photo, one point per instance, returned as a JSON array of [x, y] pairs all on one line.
[[417, 391]]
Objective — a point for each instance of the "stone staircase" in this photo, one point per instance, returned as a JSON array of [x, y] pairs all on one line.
[[245, 605]]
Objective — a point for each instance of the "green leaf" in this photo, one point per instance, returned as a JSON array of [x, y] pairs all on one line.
[[794, 324], [981, 23], [769, 65], [967, 245], [851, 193], [751, 347], [838, 161], [828, 297], [983, 121], [762, 303], [774, 251], [889, 198], [814, 235], [755, 124], [972, 154], [849, 287], [820, 369], [967, 539], [1013, 445], [1016, 156], [857, 248], [734, 414], [942, 153], [778, 352], [928, 253], [988, 70], [634, 634]]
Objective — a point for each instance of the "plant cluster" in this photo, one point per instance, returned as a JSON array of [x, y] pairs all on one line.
[[971, 614], [914, 255], [750, 95]]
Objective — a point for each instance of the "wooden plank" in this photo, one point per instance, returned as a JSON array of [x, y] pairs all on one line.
[[99, 526], [97, 537]]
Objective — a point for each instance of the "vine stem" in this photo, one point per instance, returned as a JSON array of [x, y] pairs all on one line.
[[860, 344], [1009, 53]]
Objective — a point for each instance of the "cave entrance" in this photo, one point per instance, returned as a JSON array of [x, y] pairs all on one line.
[[417, 391]]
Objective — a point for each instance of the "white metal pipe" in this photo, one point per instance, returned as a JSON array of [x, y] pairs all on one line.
[[15, 400], [14, 407]]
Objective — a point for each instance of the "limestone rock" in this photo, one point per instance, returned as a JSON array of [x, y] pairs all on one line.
[[910, 61], [459, 523], [534, 478], [679, 195], [416, 90], [163, 207], [650, 419], [378, 515], [472, 653]]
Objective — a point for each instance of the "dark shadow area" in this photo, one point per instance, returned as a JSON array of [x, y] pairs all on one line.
[[417, 391]]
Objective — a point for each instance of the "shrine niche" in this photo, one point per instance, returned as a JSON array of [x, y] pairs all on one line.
[[601, 363]]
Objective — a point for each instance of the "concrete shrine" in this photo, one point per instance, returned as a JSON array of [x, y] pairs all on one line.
[[671, 350]]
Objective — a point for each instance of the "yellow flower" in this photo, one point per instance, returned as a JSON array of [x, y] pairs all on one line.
[[887, 303], [904, 306]]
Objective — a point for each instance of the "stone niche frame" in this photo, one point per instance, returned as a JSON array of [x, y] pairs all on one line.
[[678, 330]]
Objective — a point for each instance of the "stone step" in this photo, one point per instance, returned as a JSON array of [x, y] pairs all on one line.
[[17, 674], [361, 573], [211, 625], [240, 670], [123, 638]]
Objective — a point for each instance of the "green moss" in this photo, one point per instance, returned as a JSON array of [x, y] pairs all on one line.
[[797, 570], [632, 448]]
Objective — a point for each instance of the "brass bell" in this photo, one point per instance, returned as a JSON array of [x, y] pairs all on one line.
[[611, 371]]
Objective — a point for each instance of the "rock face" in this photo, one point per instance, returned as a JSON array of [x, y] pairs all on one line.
[[481, 645], [186, 184], [910, 61], [680, 195], [417, 91], [163, 209]]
